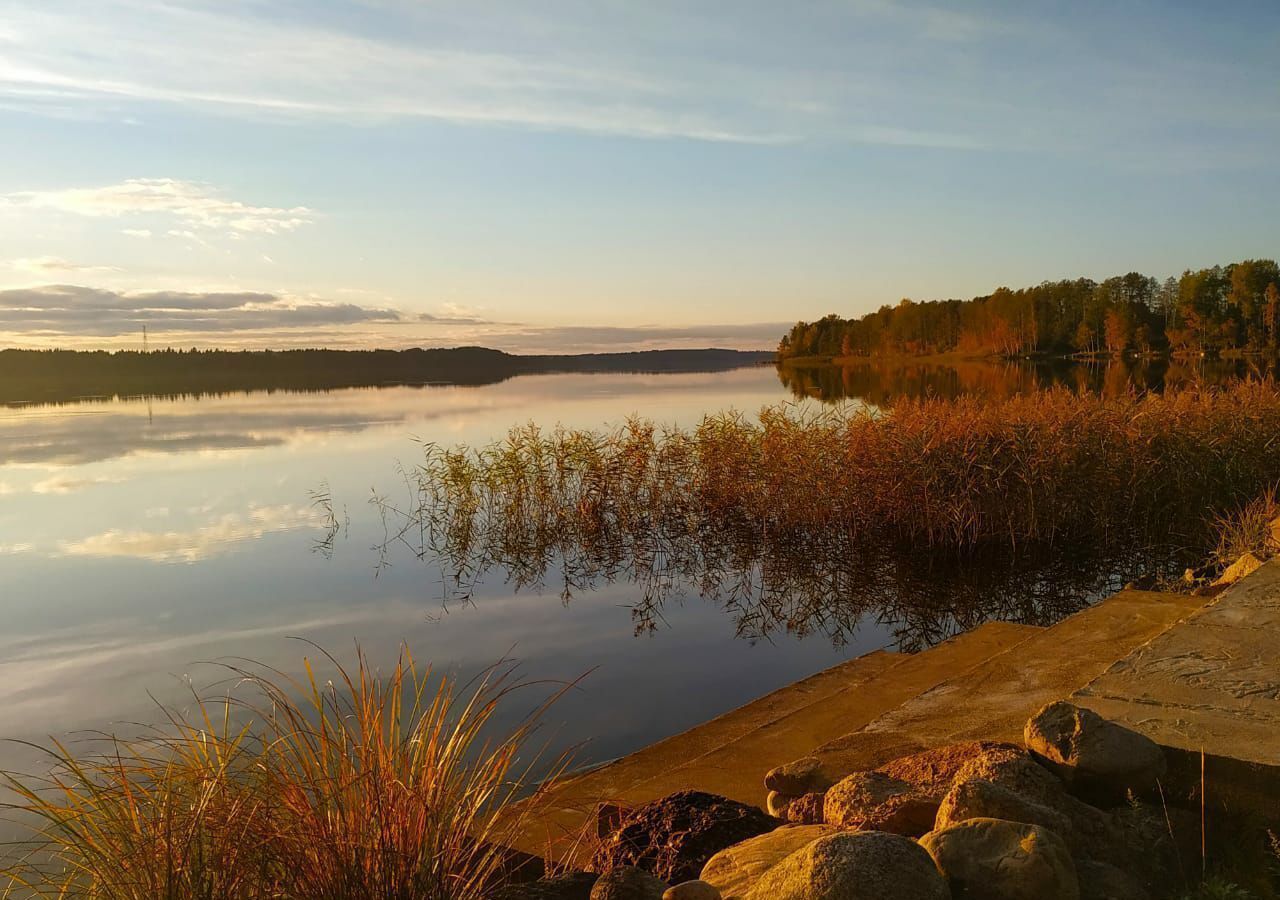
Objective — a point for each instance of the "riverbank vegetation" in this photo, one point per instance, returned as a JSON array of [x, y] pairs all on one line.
[[809, 520], [1235, 307], [383, 786]]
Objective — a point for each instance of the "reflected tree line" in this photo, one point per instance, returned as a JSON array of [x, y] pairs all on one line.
[[881, 381]]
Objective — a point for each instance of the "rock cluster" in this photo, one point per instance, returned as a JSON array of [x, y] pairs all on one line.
[[1060, 818]]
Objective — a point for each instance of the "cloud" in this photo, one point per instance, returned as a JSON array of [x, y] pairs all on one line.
[[196, 206], [194, 545], [137, 232], [87, 311], [56, 266], [660, 70]]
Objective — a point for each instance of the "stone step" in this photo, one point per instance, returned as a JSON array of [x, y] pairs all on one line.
[[818, 707], [993, 700]]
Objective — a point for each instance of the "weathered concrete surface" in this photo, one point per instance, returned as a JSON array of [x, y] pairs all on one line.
[[993, 701], [1210, 684], [729, 755]]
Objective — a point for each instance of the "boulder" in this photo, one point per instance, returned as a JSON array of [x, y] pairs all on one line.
[[861, 865], [804, 776], [984, 800], [776, 804], [734, 870], [674, 837], [1099, 881], [806, 810], [692, 890], [574, 886], [628, 883], [1094, 757], [933, 771], [1016, 770], [1245, 565], [994, 859], [874, 801]]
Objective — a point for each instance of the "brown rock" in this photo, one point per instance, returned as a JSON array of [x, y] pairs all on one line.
[[692, 890], [735, 869], [1097, 758], [993, 859], [674, 837], [795, 779], [933, 771], [873, 801], [862, 865], [806, 810], [628, 883], [985, 800], [1245, 565]]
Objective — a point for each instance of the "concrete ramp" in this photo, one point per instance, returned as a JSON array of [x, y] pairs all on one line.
[[1209, 685], [730, 754], [993, 700]]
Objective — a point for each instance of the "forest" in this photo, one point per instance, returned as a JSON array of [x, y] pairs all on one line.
[[1235, 307]]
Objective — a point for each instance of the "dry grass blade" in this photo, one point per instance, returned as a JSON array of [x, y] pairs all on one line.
[[390, 786]]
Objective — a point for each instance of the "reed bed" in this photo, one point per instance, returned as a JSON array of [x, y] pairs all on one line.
[[393, 787], [788, 503]]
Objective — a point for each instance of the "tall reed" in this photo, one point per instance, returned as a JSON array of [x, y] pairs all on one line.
[[374, 786], [783, 505]]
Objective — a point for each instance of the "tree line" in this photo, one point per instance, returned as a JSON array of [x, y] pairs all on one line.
[[1231, 307]]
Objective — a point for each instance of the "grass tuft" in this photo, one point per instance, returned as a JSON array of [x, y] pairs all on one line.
[[386, 786]]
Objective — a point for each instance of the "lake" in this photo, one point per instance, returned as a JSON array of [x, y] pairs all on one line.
[[141, 538]]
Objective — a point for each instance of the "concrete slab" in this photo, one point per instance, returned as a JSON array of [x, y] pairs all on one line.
[[730, 754], [1211, 686], [993, 700]]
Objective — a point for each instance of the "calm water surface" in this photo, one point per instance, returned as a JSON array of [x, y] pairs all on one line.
[[141, 537]]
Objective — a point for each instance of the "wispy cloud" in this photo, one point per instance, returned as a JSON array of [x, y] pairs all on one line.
[[57, 267], [195, 206], [77, 310], [391, 61]]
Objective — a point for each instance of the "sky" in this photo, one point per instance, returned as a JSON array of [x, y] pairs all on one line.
[[617, 174]]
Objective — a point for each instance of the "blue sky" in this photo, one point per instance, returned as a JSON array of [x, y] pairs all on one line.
[[591, 175]]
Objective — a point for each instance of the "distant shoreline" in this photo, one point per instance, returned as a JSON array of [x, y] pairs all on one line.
[[59, 376]]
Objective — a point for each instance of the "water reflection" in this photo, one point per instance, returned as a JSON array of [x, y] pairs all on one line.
[[879, 382]]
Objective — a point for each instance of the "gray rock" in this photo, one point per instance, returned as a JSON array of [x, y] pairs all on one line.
[[862, 865], [873, 801], [804, 776], [692, 890], [1099, 881], [628, 883], [734, 870], [993, 859], [1095, 757]]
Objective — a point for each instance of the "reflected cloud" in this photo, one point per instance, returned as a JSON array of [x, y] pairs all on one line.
[[196, 544], [61, 484]]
